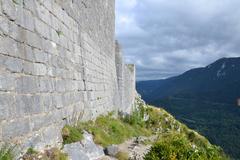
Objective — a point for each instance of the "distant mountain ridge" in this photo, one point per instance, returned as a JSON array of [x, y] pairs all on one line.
[[203, 98], [221, 77]]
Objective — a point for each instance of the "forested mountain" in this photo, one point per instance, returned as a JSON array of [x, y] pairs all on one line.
[[203, 98]]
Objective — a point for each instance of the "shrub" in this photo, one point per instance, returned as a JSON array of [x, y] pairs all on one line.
[[71, 134], [178, 147]]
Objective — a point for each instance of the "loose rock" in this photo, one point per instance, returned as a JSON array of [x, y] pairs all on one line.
[[111, 150]]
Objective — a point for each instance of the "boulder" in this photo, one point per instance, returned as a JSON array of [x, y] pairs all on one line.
[[111, 150], [84, 150]]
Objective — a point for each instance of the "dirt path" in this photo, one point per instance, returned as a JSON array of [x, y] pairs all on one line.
[[135, 148]]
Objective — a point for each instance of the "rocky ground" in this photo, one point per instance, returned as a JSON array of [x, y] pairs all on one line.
[[135, 148]]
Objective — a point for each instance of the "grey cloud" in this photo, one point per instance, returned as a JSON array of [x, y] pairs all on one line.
[[167, 37]]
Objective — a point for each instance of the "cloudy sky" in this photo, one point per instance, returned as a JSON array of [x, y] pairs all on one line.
[[167, 37]]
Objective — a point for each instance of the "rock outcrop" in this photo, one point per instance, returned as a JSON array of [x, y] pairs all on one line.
[[84, 150]]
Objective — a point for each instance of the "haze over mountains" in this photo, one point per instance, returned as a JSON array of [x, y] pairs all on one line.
[[203, 98]]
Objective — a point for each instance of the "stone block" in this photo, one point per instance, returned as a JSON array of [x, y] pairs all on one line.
[[48, 4], [46, 85], [51, 71], [16, 32], [42, 28], [27, 85], [28, 20], [50, 47], [30, 5], [28, 68], [14, 65], [33, 40], [15, 128], [5, 42], [43, 13], [7, 82], [19, 16], [39, 69], [57, 101], [4, 24], [52, 136], [34, 141], [9, 9], [60, 85], [47, 103], [28, 53], [5, 109], [54, 35], [26, 105], [40, 121], [40, 56]]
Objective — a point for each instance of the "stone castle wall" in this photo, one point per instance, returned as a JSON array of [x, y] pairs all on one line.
[[58, 65]]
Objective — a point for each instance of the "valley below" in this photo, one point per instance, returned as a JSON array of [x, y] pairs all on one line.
[[205, 99]]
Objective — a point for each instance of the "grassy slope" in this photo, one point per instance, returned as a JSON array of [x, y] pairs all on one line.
[[220, 123], [175, 140]]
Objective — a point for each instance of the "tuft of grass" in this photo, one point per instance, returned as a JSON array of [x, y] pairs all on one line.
[[136, 118], [122, 155], [71, 134], [31, 151], [60, 33], [6, 153], [56, 154]]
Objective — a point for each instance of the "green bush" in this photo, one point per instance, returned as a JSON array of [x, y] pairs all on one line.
[[179, 147], [71, 134]]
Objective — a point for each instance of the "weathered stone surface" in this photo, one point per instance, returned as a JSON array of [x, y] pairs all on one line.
[[5, 43], [16, 128], [74, 152], [27, 85], [7, 82], [5, 110], [14, 64], [28, 104], [9, 9], [58, 66], [84, 150]]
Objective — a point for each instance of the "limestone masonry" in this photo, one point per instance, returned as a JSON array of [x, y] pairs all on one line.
[[58, 64]]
